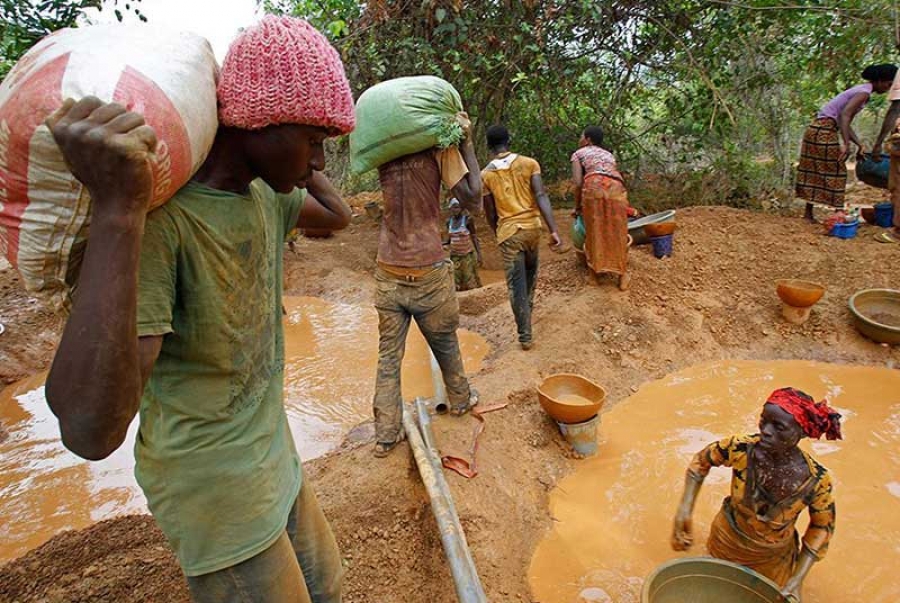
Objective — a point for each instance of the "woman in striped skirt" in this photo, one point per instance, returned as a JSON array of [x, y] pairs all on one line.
[[822, 173]]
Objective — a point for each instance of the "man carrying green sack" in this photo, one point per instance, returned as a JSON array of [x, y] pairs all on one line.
[[415, 279], [178, 315], [402, 116]]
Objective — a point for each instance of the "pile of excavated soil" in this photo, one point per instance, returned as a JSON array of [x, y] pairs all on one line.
[[713, 299]]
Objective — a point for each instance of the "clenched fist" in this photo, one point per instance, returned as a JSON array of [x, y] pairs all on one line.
[[109, 150]]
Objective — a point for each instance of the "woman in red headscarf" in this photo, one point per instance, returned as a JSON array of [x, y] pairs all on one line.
[[772, 482]]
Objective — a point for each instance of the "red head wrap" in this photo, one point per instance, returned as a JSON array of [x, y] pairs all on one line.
[[814, 418]]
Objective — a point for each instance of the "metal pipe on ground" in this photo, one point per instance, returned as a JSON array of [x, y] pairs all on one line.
[[462, 566], [440, 392], [424, 419]]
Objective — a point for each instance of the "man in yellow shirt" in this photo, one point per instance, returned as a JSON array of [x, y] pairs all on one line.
[[515, 201]]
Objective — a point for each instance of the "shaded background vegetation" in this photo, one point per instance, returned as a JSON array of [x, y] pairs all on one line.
[[703, 101]]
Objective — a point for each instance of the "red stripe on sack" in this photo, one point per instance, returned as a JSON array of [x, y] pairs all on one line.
[[26, 108], [172, 162]]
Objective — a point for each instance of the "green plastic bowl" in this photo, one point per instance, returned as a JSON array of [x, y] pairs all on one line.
[[876, 314], [708, 580]]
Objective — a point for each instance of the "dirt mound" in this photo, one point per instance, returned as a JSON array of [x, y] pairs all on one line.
[[713, 299], [125, 559]]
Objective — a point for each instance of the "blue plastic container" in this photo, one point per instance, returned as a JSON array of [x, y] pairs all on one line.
[[874, 170], [884, 214], [844, 230], [662, 246]]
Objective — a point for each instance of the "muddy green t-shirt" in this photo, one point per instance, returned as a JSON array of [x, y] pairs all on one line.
[[214, 454]]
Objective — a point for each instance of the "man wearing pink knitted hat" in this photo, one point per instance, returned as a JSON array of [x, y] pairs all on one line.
[[178, 315]]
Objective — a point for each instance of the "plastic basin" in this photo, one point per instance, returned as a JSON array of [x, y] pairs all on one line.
[[636, 227], [570, 398], [707, 580], [799, 293], [874, 170], [876, 314], [659, 229]]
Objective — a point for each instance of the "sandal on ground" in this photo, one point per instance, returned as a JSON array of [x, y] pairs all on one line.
[[472, 402], [887, 237], [382, 449]]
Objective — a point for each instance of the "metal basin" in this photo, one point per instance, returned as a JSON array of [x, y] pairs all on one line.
[[707, 580], [570, 398], [799, 293], [876, 314], [636, 227]]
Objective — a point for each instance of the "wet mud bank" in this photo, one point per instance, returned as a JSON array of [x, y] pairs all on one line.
[[713, 299]]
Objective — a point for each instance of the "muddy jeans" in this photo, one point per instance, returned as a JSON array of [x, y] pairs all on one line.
[[520, 259], [431, 300], [302, 566]]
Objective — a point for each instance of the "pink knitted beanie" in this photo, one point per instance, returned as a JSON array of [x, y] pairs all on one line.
[[283, 71]]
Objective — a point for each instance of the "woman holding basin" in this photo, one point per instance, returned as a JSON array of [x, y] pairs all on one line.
[[773, 482], [826, 145]]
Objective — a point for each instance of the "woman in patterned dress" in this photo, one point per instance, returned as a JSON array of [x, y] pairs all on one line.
[[772, 482], [602, 201], [822, 172]]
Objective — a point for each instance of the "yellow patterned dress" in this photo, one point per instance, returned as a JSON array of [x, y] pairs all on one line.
[[756, 531]]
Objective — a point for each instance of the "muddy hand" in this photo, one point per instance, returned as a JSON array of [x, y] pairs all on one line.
[[555, 241], [108, 149], [682, 537]]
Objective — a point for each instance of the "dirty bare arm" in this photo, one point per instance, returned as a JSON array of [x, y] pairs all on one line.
[[890, 122], [95, 382], [323, 207], [543, 201], [490, 211], [844, 120], [682, 531], [468, 190], [577, 183], [795, 583]]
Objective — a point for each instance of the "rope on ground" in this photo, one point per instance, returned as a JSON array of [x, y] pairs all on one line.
[[460, 465]]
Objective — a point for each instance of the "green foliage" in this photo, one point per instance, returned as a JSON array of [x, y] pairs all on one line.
[[702, 101], [24, 22]]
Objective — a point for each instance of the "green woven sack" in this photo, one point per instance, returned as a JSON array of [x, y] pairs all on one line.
[[402, 116]]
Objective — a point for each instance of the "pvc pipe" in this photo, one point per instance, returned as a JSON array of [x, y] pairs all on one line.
[[425, 427], [437, 378], [462, 566]]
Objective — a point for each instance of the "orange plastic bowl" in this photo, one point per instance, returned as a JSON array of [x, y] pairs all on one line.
[[555, 389], [660, 229], [799, 293]]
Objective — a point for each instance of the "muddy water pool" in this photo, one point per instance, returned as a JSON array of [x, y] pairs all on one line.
[[612, 517], [331, 352]]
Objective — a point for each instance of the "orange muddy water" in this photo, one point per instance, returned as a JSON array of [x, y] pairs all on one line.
[[331, 351], [612, 517]]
